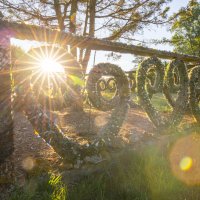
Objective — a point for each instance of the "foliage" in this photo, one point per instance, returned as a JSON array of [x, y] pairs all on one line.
[[194, 92], [17, 52], [76, 80], [122, 90], [117, 20], [186, 29], [171, 86], [157, 118], [42, 188], [120, 16]]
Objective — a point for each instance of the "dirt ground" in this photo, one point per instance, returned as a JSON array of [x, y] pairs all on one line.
[[78, 126], [32, 152]]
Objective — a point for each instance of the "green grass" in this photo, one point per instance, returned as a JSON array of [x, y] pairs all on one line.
[[140, 176], [160, 102], [137, 175], [43, 187]]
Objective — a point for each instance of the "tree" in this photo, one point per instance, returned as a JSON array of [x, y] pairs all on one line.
[[186, 29], [116, 19]]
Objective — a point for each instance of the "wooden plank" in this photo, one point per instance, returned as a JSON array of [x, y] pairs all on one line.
[[38, 33]]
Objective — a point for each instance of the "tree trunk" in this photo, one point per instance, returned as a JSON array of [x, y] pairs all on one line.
[[92, 12], [84, 32], [59, 15], [72, 24], [77, 105]]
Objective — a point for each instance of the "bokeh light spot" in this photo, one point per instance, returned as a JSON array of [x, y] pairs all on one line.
[[185, 159], [28, 163], [186, 163]]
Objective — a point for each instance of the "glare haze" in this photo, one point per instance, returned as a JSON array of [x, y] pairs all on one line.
[[125, 62]]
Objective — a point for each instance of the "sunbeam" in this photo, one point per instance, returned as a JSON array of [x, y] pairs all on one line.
[[49, 65]]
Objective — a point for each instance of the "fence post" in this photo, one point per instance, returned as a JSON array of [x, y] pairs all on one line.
[[6, 120]]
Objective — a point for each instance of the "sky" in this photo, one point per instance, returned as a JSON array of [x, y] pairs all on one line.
[[151, 32]]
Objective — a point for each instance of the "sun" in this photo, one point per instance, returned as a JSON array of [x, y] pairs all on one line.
[[48, 76], [49, 65]]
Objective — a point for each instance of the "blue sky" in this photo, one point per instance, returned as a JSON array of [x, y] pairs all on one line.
[[151, 32]]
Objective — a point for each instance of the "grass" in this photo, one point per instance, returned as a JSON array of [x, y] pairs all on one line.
[[43, 187], [145, 174], [138, 175], [160, 102]]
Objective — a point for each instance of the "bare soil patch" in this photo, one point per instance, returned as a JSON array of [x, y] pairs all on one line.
[[31, 151]]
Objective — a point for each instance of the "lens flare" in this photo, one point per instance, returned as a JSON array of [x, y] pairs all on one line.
[[47, 69], [186, 163], [28, 163], [185, 159], [49, 65]]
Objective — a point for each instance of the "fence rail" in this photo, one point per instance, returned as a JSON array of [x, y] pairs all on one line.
[[43, 34]]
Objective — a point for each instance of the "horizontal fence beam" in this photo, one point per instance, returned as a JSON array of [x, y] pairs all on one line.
[[42, 34]]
